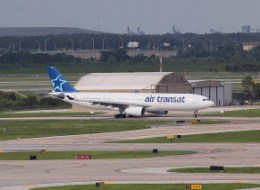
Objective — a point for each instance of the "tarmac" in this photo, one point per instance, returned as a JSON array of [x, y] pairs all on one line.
[[40, 173]]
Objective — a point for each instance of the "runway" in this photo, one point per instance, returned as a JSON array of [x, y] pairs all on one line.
[[28, 174]]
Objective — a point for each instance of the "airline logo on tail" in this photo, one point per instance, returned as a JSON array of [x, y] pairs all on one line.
[[58, 82]]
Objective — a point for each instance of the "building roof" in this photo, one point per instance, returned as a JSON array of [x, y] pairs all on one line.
[[120, 81], [204, 83], [251, 43]]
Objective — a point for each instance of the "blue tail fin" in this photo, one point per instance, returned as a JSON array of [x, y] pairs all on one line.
[[58, 82]]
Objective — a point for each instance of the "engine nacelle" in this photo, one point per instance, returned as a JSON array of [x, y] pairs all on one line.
[[158, 112], [135, 111]]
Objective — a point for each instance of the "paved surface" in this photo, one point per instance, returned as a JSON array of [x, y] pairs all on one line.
[[94, 141], [27, 174]]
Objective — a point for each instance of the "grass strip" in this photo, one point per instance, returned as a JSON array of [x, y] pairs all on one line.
[[225, 137], [238, 113], [14, 129], [249, 170], [204, 122], [61, 155], [46, 114], [229, 186]]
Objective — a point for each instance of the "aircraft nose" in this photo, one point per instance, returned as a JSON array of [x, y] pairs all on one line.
[[211, 103]]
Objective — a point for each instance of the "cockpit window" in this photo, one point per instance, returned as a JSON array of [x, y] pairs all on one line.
[[205, 99]]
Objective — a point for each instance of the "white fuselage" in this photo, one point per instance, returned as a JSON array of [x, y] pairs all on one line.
[[149, 101]]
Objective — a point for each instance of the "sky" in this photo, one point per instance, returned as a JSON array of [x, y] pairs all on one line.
[[114, 16]]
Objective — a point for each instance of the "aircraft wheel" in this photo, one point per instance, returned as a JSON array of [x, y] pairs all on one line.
[[122, 115], [117, 116]]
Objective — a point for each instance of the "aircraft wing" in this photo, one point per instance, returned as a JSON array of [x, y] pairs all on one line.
[[97, 103], [115, 105], [108, 104]]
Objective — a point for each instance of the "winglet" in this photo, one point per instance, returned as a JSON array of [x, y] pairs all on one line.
[[58, 81]]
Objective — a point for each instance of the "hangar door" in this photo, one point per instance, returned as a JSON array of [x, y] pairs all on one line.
[[214, 93]]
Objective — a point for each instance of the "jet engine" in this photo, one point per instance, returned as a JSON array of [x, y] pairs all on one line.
[[135, 111]]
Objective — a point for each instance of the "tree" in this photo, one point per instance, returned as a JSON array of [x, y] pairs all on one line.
[[257, 90], [105, 55], [121, 55], [118, 54], [248, 86]]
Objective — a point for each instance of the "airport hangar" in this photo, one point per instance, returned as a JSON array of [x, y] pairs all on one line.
[[154, 82]]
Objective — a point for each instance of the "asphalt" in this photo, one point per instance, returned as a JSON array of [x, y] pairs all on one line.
[[35, 173]]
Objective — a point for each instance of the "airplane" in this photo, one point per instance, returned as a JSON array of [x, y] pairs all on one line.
[[127, 104]]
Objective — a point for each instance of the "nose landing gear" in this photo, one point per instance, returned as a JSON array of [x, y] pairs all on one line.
[[195, 115]]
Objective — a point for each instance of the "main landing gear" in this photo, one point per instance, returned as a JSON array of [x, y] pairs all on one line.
[[120, 116], [195, 115]]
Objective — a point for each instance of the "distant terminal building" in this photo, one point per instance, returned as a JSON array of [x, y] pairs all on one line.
[[174, 30], [246, 29], [139, 31], [247, 46], [154, 82]]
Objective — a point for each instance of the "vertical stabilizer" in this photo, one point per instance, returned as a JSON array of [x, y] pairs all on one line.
[[58, 81]]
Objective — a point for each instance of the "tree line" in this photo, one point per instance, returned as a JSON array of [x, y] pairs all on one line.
[[14, 101], [26, 57], [230, 60], [180, 42]]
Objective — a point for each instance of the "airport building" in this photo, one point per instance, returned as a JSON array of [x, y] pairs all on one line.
[[155, 82], [250, 45], [150, 82], [219, 92]]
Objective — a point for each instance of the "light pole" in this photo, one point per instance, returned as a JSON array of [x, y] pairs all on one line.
[[153, 42], [104, 43], [182, 43], [93, 46], [20, 45], [211, 45], [157, 43], [161, 63], [12, 44], [122, 42], [71, 42], [80, 42], [39, 45], [45, 44]]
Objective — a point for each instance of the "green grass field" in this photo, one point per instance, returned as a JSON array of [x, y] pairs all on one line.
[[228, 137], [14, 129], [238, 113], [210, 122], [230, 186], [45, 114], [250, 170], [60, 155]]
